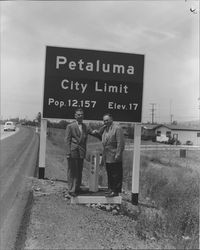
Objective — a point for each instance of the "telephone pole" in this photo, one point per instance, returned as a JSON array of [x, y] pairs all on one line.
[[199, 109], [152, 112], [170, 112]]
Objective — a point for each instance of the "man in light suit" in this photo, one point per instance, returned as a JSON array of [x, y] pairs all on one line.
[[75, 139], [113, 147]]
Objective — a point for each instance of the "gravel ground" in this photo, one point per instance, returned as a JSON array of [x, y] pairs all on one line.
[[57, 224]]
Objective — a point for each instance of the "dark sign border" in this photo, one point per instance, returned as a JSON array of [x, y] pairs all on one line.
[[65, 64]]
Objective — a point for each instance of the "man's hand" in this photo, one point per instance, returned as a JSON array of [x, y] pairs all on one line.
[[101, 163], [94, 132], [117, 157], [68, 156]]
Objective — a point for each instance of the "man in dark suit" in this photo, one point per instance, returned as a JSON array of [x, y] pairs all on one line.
[[75, 139], [113, 147]]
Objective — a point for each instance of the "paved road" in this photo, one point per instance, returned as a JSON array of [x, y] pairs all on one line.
[[18, 161]]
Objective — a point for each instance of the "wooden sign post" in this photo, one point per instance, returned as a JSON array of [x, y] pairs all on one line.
[[42, 150], [136, 164]]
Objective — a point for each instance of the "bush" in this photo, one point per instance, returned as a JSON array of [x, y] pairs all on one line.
[[176, 192], [150, 223]]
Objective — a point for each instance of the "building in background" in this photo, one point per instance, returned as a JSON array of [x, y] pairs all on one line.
[[183, 134]]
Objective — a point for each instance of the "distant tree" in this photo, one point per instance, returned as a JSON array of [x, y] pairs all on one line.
[[30, 123], [95, 125], [63, 124], [49, 124], [16, 120], [38, 117]]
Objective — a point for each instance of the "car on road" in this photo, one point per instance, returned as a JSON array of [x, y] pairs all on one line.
[[162, 138], [174, 141], [190, 143], [9, 126]]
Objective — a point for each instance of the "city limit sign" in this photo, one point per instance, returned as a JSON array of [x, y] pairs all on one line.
[[98, 81]]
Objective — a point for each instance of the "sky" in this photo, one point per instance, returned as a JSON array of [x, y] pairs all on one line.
[[166, 32]]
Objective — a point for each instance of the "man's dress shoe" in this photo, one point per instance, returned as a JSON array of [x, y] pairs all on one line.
[[108, 191], [112, 194], [72, 194]]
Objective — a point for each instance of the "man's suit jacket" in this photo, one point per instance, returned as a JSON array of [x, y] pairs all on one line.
[[75, 140], [113, 144]]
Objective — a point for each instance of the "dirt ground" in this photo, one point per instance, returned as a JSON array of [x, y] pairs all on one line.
[[55, 223]]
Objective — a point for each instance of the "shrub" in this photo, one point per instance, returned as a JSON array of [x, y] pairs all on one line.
[[176, 192], [150, 223], [173, 189]]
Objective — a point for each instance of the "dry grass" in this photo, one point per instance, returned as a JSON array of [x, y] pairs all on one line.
[[172, 188]]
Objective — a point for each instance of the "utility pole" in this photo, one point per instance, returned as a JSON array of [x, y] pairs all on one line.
[[199, 109], [170, 112], [171, 119], [152, 112]]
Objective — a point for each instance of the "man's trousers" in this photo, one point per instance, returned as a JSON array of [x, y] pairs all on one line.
[[74, 174], [115, 175]]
